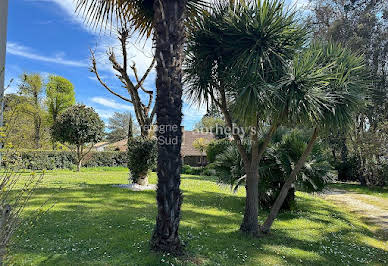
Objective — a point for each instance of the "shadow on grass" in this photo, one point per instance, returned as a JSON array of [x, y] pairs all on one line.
[[98, 224]]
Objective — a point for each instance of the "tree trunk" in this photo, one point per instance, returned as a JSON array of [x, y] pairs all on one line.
[[169, 40], [79, 158], [287, 185], [130, 129], [37, 123], [250, 223], [79, 165]]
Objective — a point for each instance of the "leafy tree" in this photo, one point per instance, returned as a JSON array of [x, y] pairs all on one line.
[[19, 128], [201, 144], [31, 89], [121, 126], [60, 95], [331, 84], [215, 125], [231, 64], [166, 20], [79, 125], [363, 26]]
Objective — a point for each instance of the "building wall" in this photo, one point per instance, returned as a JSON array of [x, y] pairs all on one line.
[[194, 161]]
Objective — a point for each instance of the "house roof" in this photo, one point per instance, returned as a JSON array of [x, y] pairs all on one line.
[[121, 145], [187, 142]]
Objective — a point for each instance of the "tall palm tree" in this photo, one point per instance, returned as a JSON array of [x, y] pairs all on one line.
[[234, 53], [326, 84], [165, 19]]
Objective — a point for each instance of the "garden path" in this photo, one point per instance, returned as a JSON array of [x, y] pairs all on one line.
[[372, 209]]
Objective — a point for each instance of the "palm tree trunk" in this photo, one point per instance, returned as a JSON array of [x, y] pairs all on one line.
[[287, 185], [169, 41], [250, 223]]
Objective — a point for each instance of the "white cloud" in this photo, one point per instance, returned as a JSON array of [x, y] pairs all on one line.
[[104, 114], [112, 104], [20, 50]]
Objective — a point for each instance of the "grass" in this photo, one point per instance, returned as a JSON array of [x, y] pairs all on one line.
[[94, 223]]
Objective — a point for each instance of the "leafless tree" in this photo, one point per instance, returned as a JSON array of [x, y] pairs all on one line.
[[144, 111]]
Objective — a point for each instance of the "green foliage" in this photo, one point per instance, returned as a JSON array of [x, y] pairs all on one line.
[[361, 26], [78, 125], [119, 125], [190, 170], [60, 95], [31, 90], [200, 144], [276, 166], [142, 154], [215, 148], [211, 124], [19, 125], [50, 160], [241, 47], [139, 13]]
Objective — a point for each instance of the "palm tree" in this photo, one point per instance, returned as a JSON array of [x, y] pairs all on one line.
[[326, 84], [234, 53], [285, 150], [165, 19]]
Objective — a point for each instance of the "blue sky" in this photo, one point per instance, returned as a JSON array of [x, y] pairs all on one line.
[[45, 36]]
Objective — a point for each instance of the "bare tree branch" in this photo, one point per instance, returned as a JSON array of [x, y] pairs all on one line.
[[94, 70], [140, 82], [142, 111]]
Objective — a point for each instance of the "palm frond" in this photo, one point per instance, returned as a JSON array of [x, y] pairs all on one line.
[[241, 46], [138, 14]]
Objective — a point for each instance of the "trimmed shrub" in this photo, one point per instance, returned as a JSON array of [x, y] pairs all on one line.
[[189, 170], [50, 160], [142, 155]]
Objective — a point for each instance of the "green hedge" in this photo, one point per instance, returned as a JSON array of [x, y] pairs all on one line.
[[49, 160]]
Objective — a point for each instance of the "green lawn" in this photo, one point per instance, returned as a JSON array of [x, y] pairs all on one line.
[[94, 223]]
